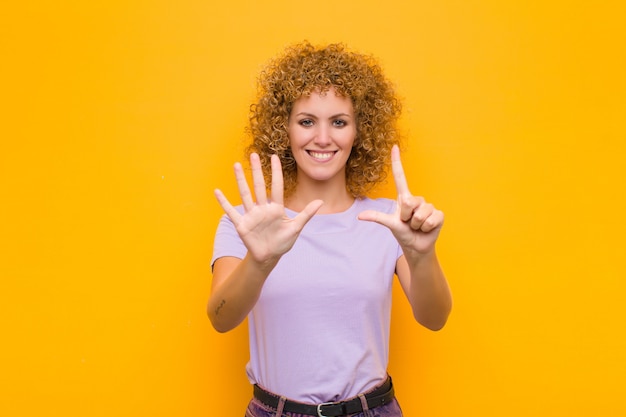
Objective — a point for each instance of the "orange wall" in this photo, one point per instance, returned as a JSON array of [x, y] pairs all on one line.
[[119, 119]]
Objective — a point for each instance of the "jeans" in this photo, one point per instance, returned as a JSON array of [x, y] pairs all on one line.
[[258, 409]]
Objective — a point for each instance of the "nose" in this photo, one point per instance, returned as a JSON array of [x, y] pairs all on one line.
[[323, 136]]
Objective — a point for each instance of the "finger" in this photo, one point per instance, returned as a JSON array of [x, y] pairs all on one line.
[[244, 190], [421, 213], [277, 180], [408, 205], [227, 207], [398, 172], [309, 211], [434, 221], [379, 217], [258, 181]]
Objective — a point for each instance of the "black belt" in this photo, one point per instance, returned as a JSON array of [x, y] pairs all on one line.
[[380, 396]]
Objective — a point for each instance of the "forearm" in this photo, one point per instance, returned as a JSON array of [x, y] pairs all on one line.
[[429, 293], [235, 295]]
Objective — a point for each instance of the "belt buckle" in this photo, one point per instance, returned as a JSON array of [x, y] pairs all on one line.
[[319, 408]]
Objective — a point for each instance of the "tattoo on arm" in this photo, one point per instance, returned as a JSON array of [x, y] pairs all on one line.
[[219, 307]]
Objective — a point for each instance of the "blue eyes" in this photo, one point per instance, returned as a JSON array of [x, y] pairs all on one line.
[[335, 123]]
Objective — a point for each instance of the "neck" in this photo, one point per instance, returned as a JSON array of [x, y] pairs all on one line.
[[336, 199]]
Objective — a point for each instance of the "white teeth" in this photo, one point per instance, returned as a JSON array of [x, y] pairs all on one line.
[[321, 155]]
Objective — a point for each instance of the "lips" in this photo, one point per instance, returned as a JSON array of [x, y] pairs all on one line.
[[321, 155]]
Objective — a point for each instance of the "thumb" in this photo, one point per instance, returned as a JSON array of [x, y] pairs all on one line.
[[376, 217], [309, 211]]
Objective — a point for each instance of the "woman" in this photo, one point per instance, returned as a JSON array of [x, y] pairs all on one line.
[[311, 263]]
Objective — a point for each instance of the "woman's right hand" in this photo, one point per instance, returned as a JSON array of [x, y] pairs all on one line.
[[264, 227]]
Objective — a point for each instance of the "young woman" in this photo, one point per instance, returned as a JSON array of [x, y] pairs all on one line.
[[310, 259]]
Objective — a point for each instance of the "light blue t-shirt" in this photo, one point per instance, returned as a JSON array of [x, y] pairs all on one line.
[[320, 329]]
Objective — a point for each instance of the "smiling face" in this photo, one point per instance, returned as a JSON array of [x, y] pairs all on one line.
[[322, 130]]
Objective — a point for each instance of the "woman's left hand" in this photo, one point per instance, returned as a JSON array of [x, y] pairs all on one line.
[[415, 224]]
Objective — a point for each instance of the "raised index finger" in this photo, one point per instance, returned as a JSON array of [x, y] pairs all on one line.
[[398, 172]]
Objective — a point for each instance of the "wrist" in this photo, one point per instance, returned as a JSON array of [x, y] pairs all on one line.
[[263, 264], [416, 258]]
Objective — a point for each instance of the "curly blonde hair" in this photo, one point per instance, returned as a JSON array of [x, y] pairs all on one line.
[[303, 69]]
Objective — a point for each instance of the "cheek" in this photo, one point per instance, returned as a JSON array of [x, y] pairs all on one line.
[[297, 137], [351, 138], [291, 138]]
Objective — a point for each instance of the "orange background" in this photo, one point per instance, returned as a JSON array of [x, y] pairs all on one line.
[[119, 118]]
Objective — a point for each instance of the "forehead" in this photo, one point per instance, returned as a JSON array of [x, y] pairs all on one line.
[[321, 100]]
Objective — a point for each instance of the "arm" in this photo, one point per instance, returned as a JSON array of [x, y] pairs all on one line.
[[266, 232], [236, 287], [426, 287], [416, 225]]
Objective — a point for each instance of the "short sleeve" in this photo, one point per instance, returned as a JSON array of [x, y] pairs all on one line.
[[227, 241]]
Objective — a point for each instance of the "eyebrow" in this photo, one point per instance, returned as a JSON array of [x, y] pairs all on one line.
[[331, 117]]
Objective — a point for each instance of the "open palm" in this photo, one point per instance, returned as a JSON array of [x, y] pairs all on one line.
[[264, 227]]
